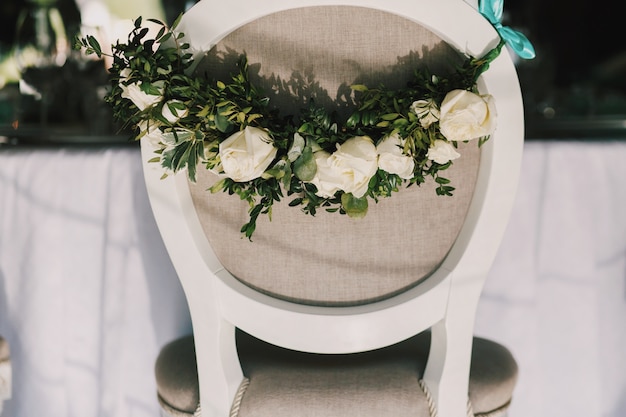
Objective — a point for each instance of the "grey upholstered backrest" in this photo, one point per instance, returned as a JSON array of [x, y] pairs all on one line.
[[332, 259]]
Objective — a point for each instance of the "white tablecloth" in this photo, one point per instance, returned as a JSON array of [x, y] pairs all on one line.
[[88, 296], [87, 293], [556, 295]]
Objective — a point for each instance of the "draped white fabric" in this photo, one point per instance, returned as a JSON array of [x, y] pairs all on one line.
[[556, 295], [88, 295]]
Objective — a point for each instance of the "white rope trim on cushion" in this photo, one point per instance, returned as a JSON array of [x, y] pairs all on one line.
[[234, 410], [498, 412], [432, 409], [168, 411]]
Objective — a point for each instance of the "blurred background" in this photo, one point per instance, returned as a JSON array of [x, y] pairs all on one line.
[[75, 222], [574, 88], [46, 87]]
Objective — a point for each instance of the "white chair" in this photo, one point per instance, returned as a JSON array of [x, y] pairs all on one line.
[[325, 315]]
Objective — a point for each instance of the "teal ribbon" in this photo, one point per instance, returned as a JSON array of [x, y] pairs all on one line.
[[492, 10]]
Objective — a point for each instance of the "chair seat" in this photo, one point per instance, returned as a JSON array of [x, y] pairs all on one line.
[[379, 383]]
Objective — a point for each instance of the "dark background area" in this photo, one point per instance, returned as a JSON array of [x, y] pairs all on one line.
[[575, 86], [9, 10]]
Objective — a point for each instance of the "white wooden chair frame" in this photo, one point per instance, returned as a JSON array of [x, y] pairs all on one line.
[[446, 302]]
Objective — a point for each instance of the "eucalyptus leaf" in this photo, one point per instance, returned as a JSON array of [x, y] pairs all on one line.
[[305, 166], [354, 207], [297, 146]]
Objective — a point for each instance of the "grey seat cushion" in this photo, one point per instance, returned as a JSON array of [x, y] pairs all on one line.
[[177, 376], [378, 383]]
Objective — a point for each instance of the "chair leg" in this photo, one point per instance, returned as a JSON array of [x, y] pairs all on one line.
[[219, 369], [447, 372]]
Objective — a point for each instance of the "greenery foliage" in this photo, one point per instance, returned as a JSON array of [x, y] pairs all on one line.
[[208, 111]]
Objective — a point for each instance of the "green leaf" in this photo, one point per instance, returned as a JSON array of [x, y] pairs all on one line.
[[297, 147], [178, 136], [253, 117], [354, 207], [359, 87], [305, 166], [296, 202], [222, 123], [277, 171], [390, 116], [287, 177], [95, 45], [204, 112], [218, 186], [444, 190], [192, 161], [353, 120], [174, 159], [177, 21]]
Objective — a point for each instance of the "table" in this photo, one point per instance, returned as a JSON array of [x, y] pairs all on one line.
[[87, 292], [556, 295], [88, 295]]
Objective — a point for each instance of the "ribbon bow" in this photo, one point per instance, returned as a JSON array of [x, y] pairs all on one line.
[[492, 10]]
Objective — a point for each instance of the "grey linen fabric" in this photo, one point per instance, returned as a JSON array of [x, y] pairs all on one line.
[[377, 383], [331, 259]]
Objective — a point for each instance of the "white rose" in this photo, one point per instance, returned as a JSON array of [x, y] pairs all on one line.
[[426, 111], [125, 74], [245, 155], [326, 179], [442, 152], [392, 159], [171, 111], [133, 92], [466, 116], [349, 168]]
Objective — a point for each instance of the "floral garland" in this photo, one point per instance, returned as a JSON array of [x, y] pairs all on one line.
[[393, 137]]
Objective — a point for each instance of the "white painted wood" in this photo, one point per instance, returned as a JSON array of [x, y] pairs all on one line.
[[446, 302]]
